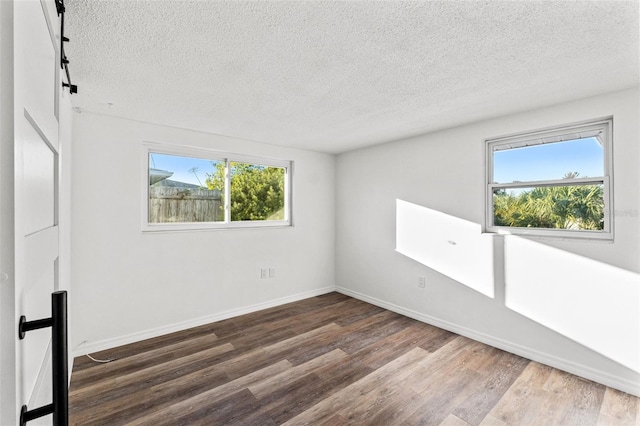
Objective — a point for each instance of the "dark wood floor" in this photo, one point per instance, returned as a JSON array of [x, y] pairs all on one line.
[[331, 360]]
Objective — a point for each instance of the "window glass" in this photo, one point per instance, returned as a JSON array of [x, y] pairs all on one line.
[[575, 207], [179, 190], [257, 192], [548, 161]]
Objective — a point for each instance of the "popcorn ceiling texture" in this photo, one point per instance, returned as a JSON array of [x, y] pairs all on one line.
[[335, 76]]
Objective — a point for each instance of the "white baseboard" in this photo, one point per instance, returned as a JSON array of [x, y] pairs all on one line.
[[91, 347], [589, 373]]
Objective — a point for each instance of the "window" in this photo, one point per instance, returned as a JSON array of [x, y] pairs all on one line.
[[187, 188], [551, 183]]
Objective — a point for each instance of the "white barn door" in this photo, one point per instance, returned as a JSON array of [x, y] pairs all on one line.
[[34, 272]]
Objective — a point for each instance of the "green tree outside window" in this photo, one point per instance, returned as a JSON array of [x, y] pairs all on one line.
[[257, 192]]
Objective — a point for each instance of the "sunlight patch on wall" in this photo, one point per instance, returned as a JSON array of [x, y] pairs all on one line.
[[452, 246], [590, 302]]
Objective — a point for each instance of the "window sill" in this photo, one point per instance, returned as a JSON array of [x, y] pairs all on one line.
[[199, 227], [563, 235]]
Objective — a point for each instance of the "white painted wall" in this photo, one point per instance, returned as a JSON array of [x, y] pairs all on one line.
[[130, 285], [577, 310]]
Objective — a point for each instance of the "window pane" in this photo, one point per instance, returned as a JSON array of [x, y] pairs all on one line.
[[551, 161], [575, 207], [257, 192], [185, 189]]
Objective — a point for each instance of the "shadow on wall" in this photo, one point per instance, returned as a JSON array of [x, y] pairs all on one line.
[[590, 302]]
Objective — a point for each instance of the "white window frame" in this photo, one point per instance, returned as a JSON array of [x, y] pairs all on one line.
[[214, 155], [602, 129]]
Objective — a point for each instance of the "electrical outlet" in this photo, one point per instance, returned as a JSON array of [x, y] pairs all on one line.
[[272, 272], [264, 273], [422, 282]]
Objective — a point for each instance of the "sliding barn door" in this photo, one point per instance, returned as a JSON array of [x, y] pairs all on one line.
[[34, 270]]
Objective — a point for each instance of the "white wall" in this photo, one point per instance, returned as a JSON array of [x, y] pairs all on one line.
[[572, 304], [129, 285]]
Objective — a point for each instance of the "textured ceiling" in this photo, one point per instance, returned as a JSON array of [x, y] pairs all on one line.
[[334, 76]]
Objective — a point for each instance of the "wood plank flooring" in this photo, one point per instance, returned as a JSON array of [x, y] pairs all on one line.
[[331, 360]]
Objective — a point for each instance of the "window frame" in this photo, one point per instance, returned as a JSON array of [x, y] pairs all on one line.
[[214, 155], [600, 128]]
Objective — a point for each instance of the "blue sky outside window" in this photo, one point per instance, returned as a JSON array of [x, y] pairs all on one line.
[[550, 161]]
